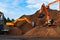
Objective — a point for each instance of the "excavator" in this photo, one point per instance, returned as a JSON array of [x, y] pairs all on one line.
[[48, 20], [19, 20], [3, 28]]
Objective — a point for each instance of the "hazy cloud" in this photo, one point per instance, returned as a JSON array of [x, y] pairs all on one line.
[[14, 9], [37, 3]]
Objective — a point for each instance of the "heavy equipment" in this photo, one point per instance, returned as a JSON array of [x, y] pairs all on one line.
[[53, 3], [19, 20], [48, 20], [3, 28]]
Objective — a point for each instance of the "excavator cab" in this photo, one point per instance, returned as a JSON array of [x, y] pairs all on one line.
[[3, 27], [41, 15]]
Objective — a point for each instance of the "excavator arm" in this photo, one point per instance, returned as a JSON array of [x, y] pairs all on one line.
[[21, 19], [47, 14], [51, 3]]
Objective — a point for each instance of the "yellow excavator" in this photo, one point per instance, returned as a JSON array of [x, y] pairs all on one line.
[[48, 20], [19, 20]]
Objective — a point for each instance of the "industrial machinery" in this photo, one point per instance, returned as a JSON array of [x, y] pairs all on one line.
[[19, 20], [53, 3], [24, 19], [48, 20], [3, 27], [50, 4]]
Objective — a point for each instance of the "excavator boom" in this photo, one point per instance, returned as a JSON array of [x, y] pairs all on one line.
[[20, 19], [23, 19], [51, 3], [46, 12]]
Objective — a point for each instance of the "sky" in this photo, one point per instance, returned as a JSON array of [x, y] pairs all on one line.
[[16, 8]]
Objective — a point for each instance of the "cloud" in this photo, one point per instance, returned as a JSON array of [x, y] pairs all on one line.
[[33, 6], [8, 7], [48, 1], [14, 8], [3, 7], [34, 3], [15, 2], [37, 3]]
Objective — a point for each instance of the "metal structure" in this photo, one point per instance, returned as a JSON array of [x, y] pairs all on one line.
[[48, 20], [19, 20], [3, 27], [53, 3]]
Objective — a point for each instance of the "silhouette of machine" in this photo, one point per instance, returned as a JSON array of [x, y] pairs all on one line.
[[3, 27]]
